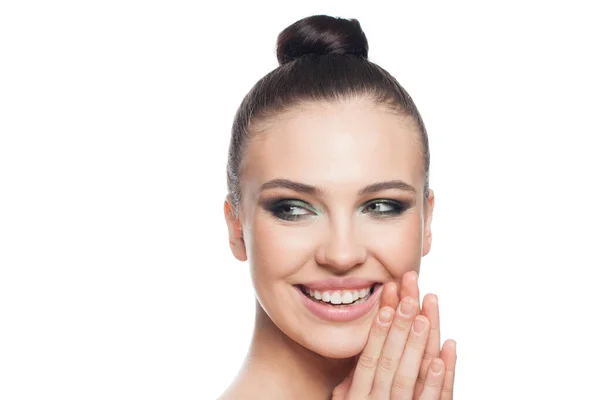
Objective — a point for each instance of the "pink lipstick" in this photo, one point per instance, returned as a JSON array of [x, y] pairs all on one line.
[[340, 300]]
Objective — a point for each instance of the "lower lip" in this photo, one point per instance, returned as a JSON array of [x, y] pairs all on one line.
[[341, 313]]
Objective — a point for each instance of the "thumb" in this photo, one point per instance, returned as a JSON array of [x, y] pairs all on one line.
[[340, 392]]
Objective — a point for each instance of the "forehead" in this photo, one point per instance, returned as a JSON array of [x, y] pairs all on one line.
[[339, 146]]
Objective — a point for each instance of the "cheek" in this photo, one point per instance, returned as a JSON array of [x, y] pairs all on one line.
[[397, 246], [277, 251]]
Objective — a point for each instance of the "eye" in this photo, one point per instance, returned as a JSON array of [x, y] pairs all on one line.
[[385, 207], [289, 210]]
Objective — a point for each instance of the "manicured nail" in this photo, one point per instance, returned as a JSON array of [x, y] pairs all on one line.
[[406, 308], [385, 316], [436, 366], [419, 325]]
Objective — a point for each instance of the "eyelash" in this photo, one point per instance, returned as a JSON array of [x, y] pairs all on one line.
[[276, 207]]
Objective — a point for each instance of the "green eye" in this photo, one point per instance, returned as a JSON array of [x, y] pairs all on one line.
[[385, 207], [289, 210]]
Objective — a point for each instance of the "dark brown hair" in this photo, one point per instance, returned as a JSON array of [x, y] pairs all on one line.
[[321, 59]]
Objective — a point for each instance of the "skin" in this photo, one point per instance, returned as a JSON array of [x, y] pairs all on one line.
[[340, 148]]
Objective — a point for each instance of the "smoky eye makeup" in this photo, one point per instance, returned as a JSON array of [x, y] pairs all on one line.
[[382, 208], [290, 209]]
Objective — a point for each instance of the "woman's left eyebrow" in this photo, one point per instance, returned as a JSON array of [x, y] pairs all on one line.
[[316, 191], [385, 185]]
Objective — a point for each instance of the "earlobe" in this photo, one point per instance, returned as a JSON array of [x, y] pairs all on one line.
[[427, 224], [236, 236]]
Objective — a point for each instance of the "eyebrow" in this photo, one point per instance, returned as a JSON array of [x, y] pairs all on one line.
[[316, 191]]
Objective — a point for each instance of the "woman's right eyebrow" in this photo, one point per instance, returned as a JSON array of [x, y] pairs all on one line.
[[319, 192]]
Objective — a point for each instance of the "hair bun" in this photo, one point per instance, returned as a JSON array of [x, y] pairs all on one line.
[[321, 34]]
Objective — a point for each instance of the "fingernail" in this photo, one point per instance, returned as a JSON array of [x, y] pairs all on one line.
[[436, 366], [419, 325], [385, 316], [406, 308]]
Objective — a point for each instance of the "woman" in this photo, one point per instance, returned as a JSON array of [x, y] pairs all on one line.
[[330, 203]]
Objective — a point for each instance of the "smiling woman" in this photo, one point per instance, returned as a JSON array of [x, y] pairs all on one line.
[[329, 201]]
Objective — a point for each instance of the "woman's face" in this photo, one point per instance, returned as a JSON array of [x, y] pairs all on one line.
[[312, 219]]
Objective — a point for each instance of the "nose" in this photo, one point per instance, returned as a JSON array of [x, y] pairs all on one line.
[[341, 251]]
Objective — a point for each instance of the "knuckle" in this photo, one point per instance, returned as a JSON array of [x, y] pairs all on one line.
[[367, 361], [447, 390], [403, 383], [388, 364]]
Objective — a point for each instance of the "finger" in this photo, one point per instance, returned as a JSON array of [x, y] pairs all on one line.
[[409, 286], [340, 392], [394, 347], [389, 296], [408, 370], [431, 311], [448, 355], [434, 381], [362, 381]]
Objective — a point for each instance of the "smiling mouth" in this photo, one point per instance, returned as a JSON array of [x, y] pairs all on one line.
[[339, 298]]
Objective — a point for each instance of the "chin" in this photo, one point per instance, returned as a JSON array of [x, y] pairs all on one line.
[[336, 343], [339, 350]]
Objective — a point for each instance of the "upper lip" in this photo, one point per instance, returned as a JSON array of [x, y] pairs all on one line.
[[340, 283]]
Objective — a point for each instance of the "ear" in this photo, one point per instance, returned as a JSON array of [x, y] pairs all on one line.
[[427, 223], [236, 236]]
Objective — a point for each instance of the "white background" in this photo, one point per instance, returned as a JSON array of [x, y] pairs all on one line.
[[116, 280]]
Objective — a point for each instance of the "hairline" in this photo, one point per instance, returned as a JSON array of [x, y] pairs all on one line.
[[259, 124]]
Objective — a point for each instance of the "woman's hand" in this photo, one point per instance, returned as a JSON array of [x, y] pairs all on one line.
[[402, 357], [409, 287]]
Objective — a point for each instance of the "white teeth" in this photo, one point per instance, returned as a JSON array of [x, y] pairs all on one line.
[[347, 297], [336, 298], [339, 296]]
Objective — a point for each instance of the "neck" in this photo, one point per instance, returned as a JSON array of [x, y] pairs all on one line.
[[278, 366]]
